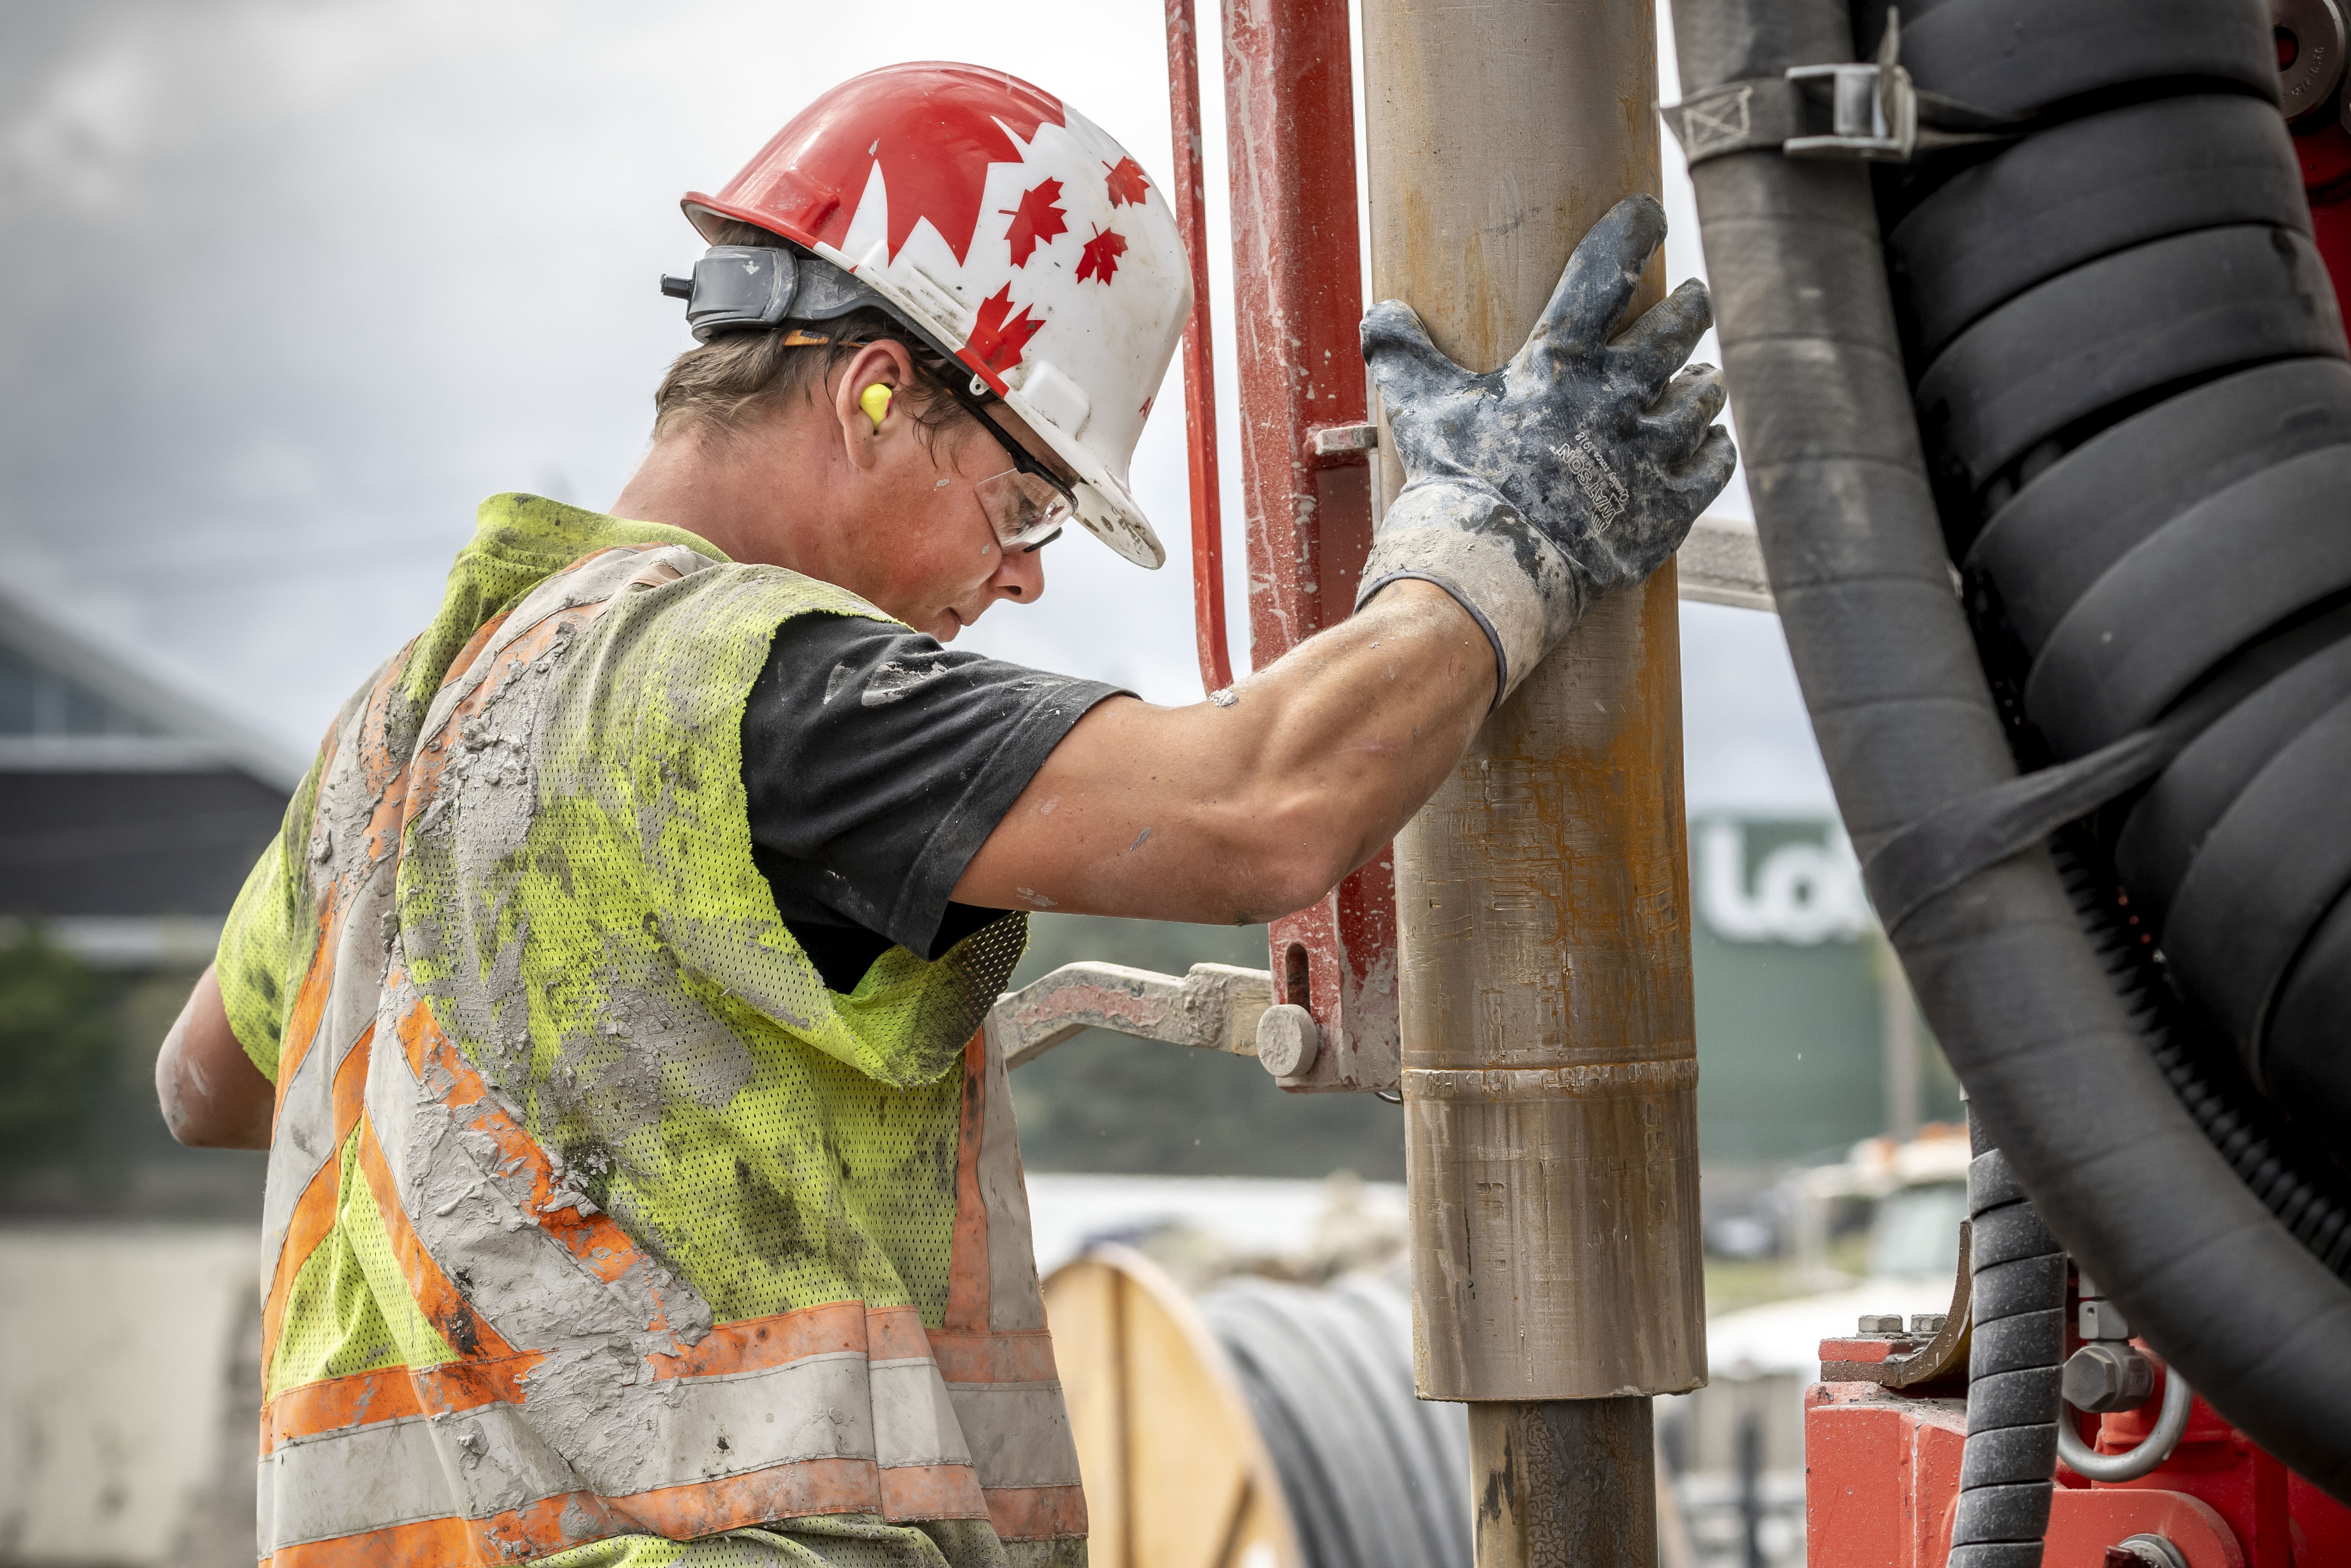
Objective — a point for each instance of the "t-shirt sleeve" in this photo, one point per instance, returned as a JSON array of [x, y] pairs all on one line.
[[266, 944], [876, 762]]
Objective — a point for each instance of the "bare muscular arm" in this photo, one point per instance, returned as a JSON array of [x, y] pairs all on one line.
[[212, 1093], [1239, 813]]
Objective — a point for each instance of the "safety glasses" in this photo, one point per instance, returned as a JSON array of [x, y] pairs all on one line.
[[1026, 505]]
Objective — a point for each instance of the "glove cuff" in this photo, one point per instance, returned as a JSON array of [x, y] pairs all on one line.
[[1461, 536]]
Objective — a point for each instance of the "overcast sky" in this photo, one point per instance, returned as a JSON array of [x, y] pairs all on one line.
[[291, 286]]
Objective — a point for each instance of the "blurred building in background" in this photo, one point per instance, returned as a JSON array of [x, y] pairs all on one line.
[[131, 810]]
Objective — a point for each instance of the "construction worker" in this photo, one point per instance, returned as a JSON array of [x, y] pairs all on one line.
[[639, 1189]]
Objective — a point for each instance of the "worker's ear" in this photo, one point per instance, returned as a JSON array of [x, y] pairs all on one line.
[[867, 399]]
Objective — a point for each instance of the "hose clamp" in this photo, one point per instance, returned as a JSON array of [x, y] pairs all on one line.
[[1875, 113]]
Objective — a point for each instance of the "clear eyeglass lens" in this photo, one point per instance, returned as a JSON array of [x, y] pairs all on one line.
[[1023, 508]]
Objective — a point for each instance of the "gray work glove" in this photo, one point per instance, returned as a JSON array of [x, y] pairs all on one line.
[[1581, 465]]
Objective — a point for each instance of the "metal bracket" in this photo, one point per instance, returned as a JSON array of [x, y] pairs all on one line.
[[1215, 1007], [1333, 444], [1877, 114], [1874, 108]]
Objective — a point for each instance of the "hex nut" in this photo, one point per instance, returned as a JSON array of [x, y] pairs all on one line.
[[1928, 1322], [1881, 1322], [1287, 1040], [2102, 1378]]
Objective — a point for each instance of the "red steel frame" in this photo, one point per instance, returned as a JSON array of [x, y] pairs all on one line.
[[1298, 299], [1199, 356]]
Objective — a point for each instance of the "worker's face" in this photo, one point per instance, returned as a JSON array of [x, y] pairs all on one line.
[[922, 545]]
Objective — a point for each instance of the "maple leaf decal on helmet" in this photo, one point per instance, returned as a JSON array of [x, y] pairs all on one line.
[[996, 342], [1037, 220], [1100, 260], [1126, 183]]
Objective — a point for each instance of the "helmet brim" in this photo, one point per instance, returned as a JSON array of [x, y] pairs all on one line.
[[1105, 506]]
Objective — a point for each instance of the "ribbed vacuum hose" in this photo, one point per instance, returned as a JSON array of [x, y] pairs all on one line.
[[2293, 1180], [2016, 1354], [1374, 1476], [2058, 1072]]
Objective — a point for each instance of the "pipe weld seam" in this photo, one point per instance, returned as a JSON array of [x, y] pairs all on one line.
[[1588, 1081]]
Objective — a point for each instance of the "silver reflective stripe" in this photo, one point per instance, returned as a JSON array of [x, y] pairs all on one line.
[[1014, 1300], [471, 1463], [370, 1478], [304, 1138], [707, 1428], [1019, 1432], [914, 1421], [485, 1462]]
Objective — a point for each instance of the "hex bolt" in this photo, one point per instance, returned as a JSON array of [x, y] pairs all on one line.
[[2101, 1377], [1881, 1322], [1928, 1322], [1287, 1040]]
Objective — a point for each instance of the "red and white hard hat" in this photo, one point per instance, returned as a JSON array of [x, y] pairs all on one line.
[[1009, 229]]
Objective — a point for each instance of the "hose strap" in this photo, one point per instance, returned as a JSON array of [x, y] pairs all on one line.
[[1851, 109], [1935, 854]]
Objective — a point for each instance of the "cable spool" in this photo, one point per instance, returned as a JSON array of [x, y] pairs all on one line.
[[1261, 1425]]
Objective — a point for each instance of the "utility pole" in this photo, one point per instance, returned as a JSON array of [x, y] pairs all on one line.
[[1549, 1061]]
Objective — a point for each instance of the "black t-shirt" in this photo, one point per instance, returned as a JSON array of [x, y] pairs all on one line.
[[877, 762]]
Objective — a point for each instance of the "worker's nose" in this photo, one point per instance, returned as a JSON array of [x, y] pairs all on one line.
[[1020, 575]]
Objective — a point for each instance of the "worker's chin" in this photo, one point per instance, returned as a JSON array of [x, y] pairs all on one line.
[[948, 624]]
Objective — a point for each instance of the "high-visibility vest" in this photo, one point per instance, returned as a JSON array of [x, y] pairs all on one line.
[[522, 915]]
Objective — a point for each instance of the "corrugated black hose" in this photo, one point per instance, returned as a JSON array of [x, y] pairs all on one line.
[[2060, 1073], [2016, 1354]]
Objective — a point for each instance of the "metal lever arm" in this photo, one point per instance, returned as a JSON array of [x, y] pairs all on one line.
[[1215, 1007]]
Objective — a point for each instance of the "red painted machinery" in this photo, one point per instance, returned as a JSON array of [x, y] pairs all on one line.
[[1306, 481], [1882, 1478]]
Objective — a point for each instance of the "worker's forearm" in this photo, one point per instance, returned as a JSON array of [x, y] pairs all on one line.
[[1241, 810], [1342, 739], [211, 1093]]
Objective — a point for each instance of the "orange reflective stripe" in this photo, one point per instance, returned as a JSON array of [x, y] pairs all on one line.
[[312, 1221], [309, 1003], [932, 1491], [759, 1342], [334, 1404], [967, 1261], [1015, 1356], [429, 1544], [599, 1244], [314, 1215], [1037, 1513], [896, 1333], [384, 774], [737, 1502], [440, 1302], [473, 648]]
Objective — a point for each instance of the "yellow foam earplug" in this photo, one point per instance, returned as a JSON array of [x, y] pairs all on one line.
[[875, 400]]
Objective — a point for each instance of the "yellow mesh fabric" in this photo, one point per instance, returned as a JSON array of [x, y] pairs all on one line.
[[839, 1541], [349, 1310], [581, 907], [269, 934], [518, 542]]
